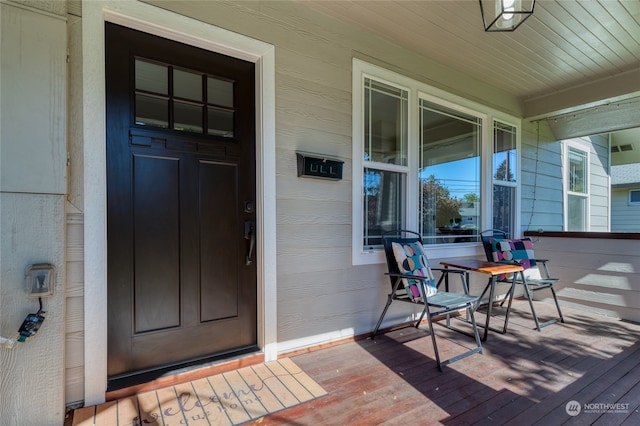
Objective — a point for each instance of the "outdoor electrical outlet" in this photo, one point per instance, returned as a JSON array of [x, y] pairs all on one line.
[[40, 280]]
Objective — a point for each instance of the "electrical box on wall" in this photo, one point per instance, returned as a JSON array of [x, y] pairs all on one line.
[[40, 280], [317, 166]]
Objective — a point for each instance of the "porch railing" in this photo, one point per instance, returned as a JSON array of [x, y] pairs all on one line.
[[599, 271]]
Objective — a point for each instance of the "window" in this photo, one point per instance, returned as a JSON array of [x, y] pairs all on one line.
[[634, 197], [577, 187], [505, 166], [426, 160], [185, 101], [385, 159], [448, 174]]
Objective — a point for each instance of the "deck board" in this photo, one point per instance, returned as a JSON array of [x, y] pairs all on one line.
[[107, 414], [127, 411], [524, 377]]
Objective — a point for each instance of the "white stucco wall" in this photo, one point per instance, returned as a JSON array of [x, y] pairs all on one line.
[[32, 197]]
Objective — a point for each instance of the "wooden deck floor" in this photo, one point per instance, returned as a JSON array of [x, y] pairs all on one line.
[[524, 377]]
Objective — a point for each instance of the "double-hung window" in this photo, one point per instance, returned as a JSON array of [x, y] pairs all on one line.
[[576, 187], [504, 174], [427, 160], [385, 159]]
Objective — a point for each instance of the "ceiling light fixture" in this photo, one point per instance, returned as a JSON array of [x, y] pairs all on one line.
[[505, 15]]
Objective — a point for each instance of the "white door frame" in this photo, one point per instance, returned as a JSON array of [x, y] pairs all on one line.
[[169, 25]]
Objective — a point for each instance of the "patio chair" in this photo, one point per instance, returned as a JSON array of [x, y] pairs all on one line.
[[412, 281], [499, 248]]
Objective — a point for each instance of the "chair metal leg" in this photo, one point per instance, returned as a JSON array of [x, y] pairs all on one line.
[[476, 335], [555, 299], [529, 295], [511, 290], [384, 312], [433, 339], [527, 292], [424, 311], [386, 307]]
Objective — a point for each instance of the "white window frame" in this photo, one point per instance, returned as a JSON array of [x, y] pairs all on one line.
[[633, 203], [508, 184], [578, 146], [417, 90]]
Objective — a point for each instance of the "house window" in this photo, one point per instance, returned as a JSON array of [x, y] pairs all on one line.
[[504, 173], [634, 197], [577, 188], [448, 174], [422, 160], [385, 159]]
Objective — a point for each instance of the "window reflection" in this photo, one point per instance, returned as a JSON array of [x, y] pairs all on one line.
[[449, 175], [383, 204], [385, 123], [505, 163]]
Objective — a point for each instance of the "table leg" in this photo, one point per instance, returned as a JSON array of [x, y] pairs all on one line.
[[513, 290], [492, 285]]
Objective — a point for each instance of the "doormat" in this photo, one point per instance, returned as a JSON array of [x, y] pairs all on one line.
[[230, 398]]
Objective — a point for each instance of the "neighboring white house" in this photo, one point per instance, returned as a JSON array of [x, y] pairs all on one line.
[[625, 198]]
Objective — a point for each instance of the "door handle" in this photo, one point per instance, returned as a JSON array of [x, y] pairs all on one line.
[[250, 236]]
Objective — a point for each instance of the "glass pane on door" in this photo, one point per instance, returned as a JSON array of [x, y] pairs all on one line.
[[152, 111], [219, 92], [152, 78], [187, 117], [220, 122], [187, 85]]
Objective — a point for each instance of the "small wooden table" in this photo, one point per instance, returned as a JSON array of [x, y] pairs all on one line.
[[493, 269]]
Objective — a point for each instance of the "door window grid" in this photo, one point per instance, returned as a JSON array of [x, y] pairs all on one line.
[[186, 101]]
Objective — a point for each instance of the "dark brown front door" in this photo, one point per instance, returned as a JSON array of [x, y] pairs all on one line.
[[180, 204]]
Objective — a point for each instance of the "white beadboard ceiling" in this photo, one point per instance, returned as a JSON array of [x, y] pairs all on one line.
[[569, 54]]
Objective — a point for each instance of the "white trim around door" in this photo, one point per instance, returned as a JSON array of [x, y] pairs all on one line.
[[166, 24]]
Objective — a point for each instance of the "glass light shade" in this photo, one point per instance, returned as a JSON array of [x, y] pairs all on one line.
[[505, 15]]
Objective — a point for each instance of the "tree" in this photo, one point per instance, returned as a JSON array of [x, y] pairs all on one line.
[[503, 172], [438, 207], [471, 198]]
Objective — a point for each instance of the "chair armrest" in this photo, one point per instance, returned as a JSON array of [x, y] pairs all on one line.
[[447, 271], [398, 275], [545, 267]]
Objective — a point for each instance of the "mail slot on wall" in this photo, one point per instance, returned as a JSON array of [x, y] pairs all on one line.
[[316, 166]]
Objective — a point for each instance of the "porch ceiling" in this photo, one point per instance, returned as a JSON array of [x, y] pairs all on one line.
[[569, 53]]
